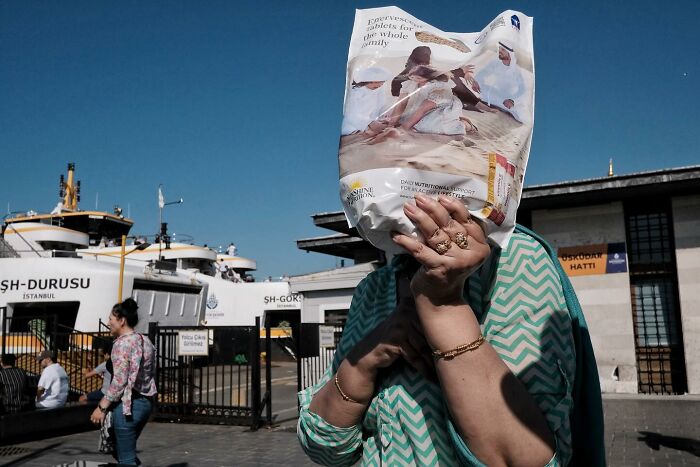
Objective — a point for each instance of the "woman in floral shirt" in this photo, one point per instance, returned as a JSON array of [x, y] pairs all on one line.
[[133, 388]]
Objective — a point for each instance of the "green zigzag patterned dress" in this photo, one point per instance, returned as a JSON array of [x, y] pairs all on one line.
[[518, 299]]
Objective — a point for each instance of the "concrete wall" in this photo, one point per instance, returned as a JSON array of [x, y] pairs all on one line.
[[605, 298], [686, 226]]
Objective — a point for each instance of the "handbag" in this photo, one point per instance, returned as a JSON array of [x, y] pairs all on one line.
[[106, 444]]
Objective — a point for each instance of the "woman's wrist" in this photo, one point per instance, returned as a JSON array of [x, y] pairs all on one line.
[[430, 301], [447, 325], [363, 362], [355, 382], [438, 295]]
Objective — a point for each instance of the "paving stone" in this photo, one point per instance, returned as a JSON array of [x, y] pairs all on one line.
[[640, 432]]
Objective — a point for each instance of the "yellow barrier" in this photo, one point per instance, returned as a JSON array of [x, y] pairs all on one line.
[[276, 333], [22, 343]]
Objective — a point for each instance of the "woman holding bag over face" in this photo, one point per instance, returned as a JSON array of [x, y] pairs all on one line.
[[458, 354], [131, 394]]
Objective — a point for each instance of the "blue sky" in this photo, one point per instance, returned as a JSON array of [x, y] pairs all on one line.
[[236, 106]]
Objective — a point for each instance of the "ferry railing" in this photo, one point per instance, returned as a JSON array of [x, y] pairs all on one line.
[[6, 250], [11, 226], [76, 351]]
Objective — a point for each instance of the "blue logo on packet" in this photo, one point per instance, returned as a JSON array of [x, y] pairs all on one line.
[[515, 21]]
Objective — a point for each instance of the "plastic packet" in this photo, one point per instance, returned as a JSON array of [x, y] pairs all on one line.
[[435, 112]]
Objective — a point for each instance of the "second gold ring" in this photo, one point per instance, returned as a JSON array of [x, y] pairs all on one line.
[[461, 240]]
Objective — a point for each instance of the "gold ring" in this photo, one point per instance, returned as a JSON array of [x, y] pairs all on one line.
[[461, 240], [442, 247]]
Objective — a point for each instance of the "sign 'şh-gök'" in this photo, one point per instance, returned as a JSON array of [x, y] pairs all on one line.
[[586, 260]]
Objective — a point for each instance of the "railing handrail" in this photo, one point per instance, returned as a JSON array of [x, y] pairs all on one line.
[[6, 247], [76, 350]]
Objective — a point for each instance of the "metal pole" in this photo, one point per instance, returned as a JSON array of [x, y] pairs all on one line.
[[255, 386], [160, 236], [190, 384], [296, 336], [153, 337], [3, 310], [121, 269], [268, 369]]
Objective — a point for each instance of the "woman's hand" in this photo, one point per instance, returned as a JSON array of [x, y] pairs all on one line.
[[97, 416], [454, 247], [399, 335]]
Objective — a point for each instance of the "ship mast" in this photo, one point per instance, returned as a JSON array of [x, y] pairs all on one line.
[[70, 190]]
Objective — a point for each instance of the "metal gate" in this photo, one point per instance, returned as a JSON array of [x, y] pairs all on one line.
[[220, 388]]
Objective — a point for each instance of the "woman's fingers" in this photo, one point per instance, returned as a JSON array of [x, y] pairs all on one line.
[[455, 245], [452, 216], [427, 225], [435, 210], [422, 252], [447, 214], [458, 211]]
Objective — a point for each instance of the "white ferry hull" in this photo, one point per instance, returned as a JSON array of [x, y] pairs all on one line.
[[92, 287]]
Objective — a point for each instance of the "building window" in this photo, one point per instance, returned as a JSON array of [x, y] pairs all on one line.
[[649, 240], [654, 312]]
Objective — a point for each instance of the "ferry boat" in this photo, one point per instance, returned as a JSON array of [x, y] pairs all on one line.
[[72, 266]]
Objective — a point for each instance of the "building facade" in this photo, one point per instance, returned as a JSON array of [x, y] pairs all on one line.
[[631, 247]]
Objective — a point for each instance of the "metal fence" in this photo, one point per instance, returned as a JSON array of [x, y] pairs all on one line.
[[314, 355], [223, 387]]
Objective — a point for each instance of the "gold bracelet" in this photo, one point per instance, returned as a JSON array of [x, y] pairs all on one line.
[[459, 350], [345, 397]]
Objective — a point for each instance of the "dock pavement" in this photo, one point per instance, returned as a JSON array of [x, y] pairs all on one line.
[[641, 431]]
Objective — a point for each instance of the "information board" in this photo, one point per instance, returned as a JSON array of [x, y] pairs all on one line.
[[195, 343]]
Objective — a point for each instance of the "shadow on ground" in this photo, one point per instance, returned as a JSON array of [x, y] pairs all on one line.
[[655, 440]]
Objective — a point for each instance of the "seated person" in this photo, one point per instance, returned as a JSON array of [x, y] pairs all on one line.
[[13, 384], [103, 370], [52, 391]]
